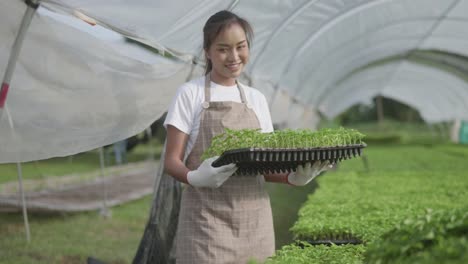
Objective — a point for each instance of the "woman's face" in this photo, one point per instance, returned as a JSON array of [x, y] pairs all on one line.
[[229, 53]]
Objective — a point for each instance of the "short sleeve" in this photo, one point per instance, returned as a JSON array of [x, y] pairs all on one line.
[[180, 112], [264, 115], [260, 106]]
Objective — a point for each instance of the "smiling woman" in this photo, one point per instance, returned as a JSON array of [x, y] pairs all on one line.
[[229, 53], [223, 218]]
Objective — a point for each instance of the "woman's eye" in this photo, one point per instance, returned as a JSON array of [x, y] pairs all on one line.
[[241, 47], [222, 50]]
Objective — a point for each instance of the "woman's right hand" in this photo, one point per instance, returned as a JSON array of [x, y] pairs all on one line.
[[209, 176], [306, 173]]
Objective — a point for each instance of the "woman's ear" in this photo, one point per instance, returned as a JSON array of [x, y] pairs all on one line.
[[207, 55]]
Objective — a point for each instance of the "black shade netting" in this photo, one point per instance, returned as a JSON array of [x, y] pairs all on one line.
[[157, 243]]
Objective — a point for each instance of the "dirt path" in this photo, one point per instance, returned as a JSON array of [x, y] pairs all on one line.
[[72, 194]]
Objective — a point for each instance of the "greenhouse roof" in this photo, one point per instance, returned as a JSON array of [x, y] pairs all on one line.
[[307, 57]]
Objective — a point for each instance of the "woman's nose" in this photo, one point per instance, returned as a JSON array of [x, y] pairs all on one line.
[[233, 55]]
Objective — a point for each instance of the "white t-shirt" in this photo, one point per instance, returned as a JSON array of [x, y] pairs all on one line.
[[185, 109]]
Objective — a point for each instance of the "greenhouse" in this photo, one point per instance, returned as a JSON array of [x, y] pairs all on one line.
[[67, 89]]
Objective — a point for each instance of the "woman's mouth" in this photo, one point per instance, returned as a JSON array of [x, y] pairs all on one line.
[[233, 66]]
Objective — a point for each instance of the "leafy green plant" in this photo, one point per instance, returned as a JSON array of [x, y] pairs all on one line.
[[304, 253], [304, 138], [402, 182], [435, 237]]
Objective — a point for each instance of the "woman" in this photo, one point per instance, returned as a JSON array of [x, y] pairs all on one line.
[[223, 218]]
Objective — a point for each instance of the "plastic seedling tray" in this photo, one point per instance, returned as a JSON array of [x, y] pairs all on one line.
[[275, 160]]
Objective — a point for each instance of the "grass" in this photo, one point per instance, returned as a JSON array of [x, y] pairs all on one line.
[[80, 164], [71, 238]]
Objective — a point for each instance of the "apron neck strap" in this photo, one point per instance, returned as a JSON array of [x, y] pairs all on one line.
[[241, 91], [208, 91]]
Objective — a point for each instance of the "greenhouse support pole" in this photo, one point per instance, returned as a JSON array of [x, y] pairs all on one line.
[[23, 201], [105, 209], [32, 6]]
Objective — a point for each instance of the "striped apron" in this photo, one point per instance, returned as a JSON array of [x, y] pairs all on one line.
[[232, 223]]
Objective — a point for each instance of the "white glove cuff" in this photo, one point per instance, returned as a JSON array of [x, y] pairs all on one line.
[[294, 180]]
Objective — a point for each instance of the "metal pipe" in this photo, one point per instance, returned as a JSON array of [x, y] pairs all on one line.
[[104, 210], [15, 50], [31, 8]]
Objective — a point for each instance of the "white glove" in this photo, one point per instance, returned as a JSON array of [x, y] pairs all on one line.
[[304, 174], [209, 176]]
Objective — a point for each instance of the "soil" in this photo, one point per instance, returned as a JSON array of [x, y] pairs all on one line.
[[73, 194]]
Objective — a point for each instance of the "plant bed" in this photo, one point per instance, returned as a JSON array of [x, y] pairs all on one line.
[[339, 240], [436, 237], [301, 252], [277, 160]]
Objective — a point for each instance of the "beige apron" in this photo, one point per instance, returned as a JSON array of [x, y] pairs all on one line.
[[232, 223]]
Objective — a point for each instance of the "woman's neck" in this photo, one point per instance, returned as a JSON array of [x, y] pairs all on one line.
[[222, 80]]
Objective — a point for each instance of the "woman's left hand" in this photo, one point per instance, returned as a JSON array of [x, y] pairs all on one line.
[[306, 173]]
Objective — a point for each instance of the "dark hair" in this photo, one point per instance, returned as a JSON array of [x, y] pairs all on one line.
[[217, 23]]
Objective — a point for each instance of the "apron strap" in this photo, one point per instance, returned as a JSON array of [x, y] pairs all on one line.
[[207, 101], [242, 94]]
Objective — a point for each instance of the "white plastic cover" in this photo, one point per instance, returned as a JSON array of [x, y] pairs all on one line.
[[434, 90], [302, 47], [71, 92], [313, 51]]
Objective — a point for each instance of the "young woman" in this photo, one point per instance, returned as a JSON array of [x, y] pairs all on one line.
[[223, 218]]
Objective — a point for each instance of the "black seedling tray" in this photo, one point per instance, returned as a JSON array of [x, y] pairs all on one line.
[[273, 160]]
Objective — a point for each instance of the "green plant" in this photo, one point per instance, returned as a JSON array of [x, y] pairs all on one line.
[[435, 237], [304, 253], [402, 181], [304, 138]]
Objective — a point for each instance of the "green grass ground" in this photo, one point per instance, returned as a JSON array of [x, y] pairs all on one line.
[[82, 164], [71, 238]]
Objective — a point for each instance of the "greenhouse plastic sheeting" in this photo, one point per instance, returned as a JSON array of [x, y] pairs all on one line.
[[306, 46], [450, 90], [72, 93], [307, 49]]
